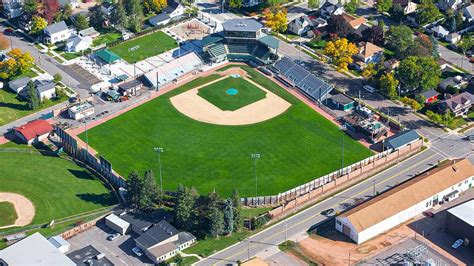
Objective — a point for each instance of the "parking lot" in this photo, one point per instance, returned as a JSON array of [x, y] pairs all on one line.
[[119, 251]]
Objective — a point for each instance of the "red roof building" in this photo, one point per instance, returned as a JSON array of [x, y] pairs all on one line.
[[33, 131]]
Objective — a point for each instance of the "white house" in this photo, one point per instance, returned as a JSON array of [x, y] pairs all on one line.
[[57, 32], [453, 37], [406, 201], [368, 53], [439, 31], [173, 11], [328, 9], [78, 44], [33, 132], [468, 13], [45, 89], [163, 241], [301, 25], [449, 4]]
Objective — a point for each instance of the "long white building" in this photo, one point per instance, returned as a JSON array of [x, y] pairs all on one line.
[[406, 201]]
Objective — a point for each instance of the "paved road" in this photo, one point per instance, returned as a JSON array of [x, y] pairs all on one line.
[[265, 242], [456, 59]]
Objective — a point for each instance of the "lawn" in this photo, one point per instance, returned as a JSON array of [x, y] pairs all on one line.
[[57, 187], [296, 147], [217, 93], [12, 109], [8, 213], [146, 46], [106, 38], [253, 212], [211, 245]]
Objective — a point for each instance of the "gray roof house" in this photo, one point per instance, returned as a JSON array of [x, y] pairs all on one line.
[[34, 250], [163, 241], [57, 32], [468, 12], [455, 82], [160, 19], [89, 32], [449, 4], [18, 85], [328, 9], [459, 104], [301, 25], [56, 27], [439, 31], [402, 139]]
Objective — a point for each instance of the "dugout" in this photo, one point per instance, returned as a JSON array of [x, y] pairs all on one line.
[[117, 224]]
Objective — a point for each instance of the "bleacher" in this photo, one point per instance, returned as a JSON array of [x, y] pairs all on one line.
[[310, 85], [260, 51], [217, 50], [239, 48]]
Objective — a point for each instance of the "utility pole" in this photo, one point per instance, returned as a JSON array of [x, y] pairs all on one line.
[[159, 150], [349, 259], [374, 187], [255, 156]]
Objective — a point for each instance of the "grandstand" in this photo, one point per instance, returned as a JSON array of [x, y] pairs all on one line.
[[311, 86], [173, 70], [241, 40]]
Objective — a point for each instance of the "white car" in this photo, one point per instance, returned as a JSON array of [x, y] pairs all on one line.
[[112, 237], [457, 244], [137, 251]]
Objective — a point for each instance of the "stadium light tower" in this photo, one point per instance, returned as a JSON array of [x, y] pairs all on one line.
[[159, 150], [255, 156], [342, 149]]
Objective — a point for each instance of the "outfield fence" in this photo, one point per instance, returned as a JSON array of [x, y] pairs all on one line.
[[322, 185]]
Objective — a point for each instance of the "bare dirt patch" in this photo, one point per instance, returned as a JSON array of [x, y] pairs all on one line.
[[191, 30], [192, 105], [24, 208]]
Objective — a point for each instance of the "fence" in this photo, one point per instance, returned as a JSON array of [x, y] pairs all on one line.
[[321, 185], [101, 165]]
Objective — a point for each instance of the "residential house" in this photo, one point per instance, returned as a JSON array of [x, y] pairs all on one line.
[[456, 82], [407, 5], [445, 5], [453, 37], [106, 8], [33, 132], [468, 13], [57, 32], [45, 89], [160, 19], [329, 9], [12, 8], [173, 11], [162, 241], [353, 22], [368, 53], [89, 32], [430, 96], [300, 26], [391, 64], [439, 31], [459, 104], [78, 44], [18, 85], [250, 3]]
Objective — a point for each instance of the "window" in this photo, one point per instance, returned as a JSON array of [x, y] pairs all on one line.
[[460, 184], [465, 181], [427, 204]]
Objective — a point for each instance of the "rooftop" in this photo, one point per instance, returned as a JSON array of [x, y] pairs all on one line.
[[402, 138], [464, 211], [34, 250], [157, 234], [56, 27], [34, 128], [242, 25]]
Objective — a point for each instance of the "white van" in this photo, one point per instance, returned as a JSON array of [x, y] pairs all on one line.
[[369, 88]]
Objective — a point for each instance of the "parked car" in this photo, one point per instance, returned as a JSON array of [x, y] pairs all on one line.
[[457, 243], [470, 138], [112, 237], [137, 251], [328, 212], [428, 214], [369, 88]]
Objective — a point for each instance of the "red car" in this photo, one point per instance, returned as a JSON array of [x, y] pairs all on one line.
[[428, 214], [9, 31]]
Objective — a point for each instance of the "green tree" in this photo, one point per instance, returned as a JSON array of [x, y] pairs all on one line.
[[178, 259], [235, 4], [30, 6], [81, 22], [369, 71], [419, 73], [397, 12], [429, 12], [313, 4], [434, 117], [148, 192], [237, 208], [38, 24], [352, 6], [228, 217], [434, 47], [33, 99], [67, 10], [399, 38], [119, 17], [214, 215], [134, 187], [57, 78], [414, 104], [97, 19], [459, 20], [154, 6], [184, 207], [384, 5], [388, 85]]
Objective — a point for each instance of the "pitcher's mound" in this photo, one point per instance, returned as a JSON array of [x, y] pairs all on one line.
[[192, 105], [25, 210]]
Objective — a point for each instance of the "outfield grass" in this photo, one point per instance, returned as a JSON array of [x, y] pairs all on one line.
[[217, 95], [57, 187], [148, 45], [7, 213], [296, 147], [12, 109]]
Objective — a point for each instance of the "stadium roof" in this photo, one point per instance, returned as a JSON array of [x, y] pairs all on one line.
[[242, 25], [211, 39], [464, 211], [408, 194], [270, 41], [34, 250], [308, 83], [107, 55], [402, 139]]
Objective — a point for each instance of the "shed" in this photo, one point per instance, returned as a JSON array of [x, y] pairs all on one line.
[[113, 95], [107, 56], [61, 244], [117, 224], [342, 102], [401, 139], [33, 131]]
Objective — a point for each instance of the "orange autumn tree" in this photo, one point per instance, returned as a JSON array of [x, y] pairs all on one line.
[[18, 63], [340, 51], [4, 43]]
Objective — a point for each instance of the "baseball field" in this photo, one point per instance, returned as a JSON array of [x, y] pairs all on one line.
[[56, 187], [295, 146]]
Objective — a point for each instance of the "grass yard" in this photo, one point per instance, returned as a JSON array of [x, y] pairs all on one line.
[[57, 187], [106, 38], [8, 214], [295, 147], [148, 45], [253, 212], [211, 245], [12, 109], [216, 93]]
